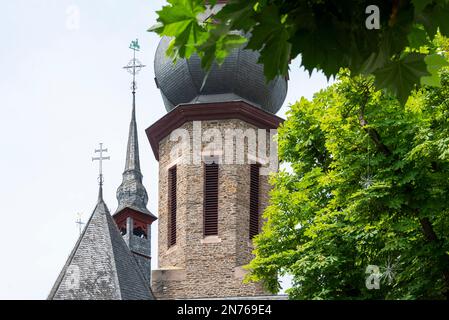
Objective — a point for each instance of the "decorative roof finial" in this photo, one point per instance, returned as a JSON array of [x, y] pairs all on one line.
[[100, 176], [134, 66]]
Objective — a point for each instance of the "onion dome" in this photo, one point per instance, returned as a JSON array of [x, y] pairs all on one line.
[[240, 77]]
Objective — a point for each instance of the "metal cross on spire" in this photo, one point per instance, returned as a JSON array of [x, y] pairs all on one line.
[[134, 65], [79, 222], [100, 160]]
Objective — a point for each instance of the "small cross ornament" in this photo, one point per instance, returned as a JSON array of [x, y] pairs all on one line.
[[100, 160], [80, 223]]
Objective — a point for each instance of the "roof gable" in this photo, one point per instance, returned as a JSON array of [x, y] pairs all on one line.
[[101, 266]]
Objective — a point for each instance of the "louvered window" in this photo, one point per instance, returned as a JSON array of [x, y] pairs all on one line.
[[172, 206], [254, 201], [211, 199]]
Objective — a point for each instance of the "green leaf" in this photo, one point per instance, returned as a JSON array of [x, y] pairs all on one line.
[[227, 44], [179, 19], [316, 53], [270, 37], [379, 59], [421, 4], [417, 37], [217, 47], [401, 76], [275, 56], [268, 25], [434, 64], [238, 15], [435, 18], [157, 27]]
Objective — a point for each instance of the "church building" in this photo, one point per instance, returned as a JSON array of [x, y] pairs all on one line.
[[215, 150]]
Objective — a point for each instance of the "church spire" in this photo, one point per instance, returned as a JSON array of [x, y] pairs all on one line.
[[131, 193], [132, 153], [132, 216]]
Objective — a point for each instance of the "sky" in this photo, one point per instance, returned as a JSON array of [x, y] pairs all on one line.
[[62, 91]]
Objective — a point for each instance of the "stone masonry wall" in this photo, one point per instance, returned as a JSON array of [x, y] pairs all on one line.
[[212, 266]]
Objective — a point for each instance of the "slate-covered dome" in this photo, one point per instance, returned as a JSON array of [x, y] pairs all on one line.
[[240, 77]]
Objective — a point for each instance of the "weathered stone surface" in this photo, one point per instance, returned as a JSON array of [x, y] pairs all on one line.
[[206, 267]]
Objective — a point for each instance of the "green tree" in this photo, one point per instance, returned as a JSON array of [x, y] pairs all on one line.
[[369, 173], [327, 34], [368, 185]]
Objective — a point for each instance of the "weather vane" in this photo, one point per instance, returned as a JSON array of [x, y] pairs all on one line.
[[79, 222], [100, 160], [134, 65]]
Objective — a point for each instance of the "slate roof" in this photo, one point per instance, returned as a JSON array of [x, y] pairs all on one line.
[[101, 266]]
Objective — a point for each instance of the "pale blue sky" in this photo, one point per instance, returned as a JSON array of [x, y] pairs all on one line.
[[63, 90]]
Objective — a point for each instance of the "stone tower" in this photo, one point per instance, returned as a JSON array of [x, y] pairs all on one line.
[[215, 150]]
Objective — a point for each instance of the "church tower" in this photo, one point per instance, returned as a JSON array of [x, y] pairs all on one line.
[[215, 150]]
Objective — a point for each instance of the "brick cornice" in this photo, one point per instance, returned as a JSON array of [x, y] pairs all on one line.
[[209, 111]]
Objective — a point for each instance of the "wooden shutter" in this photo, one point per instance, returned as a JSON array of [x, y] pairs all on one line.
[[211, 199], [172, 206], [254, 201]]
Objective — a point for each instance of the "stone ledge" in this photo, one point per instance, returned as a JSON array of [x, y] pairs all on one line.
[[239, 272], [172, 248], [211, 239], [168, 274]]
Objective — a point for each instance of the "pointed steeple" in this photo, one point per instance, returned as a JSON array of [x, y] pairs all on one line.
[[100, 193], [132, 216], [131, 193], [132, 153]]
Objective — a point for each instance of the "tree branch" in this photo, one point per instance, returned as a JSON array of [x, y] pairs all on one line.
[[428, 231], [374, 135], [431, 236]]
